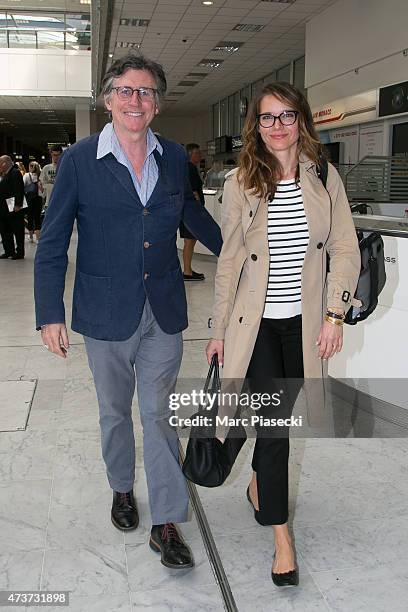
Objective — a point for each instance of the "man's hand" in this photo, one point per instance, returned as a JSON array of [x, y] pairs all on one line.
[[55, 338], [17, 208]]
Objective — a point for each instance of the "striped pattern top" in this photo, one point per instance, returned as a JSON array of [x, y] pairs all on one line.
[[288, 237]]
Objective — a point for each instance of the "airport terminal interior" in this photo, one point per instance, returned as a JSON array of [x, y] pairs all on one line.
[[348, 486]]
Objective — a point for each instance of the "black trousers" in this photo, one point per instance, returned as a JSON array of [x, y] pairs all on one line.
[[12, 226], [35, 205], [277, 355]]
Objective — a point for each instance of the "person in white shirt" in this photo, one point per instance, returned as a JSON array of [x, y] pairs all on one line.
[[49, 171]]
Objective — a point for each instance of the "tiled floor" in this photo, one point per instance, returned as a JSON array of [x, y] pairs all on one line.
[[348, 497]]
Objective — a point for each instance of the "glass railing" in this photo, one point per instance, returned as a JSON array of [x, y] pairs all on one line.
[[68, 31], [378, 179]]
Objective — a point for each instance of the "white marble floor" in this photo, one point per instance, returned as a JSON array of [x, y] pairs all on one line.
[[348, 498]]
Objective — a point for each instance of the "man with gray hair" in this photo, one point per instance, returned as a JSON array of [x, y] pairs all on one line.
[[128, 191], [11, 209]]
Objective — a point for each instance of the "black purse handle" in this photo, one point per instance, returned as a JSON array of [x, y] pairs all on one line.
[[213, 372]]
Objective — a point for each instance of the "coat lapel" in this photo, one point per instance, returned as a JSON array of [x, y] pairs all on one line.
[[161, 162], [249, 216], [120, 173]]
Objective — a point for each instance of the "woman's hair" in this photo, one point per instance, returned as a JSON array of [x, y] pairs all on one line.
[[34, 167], [21, 167], [259, 169]]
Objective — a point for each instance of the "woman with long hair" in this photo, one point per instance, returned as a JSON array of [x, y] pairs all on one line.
[[278, 311], [32, 189], [21, 167]]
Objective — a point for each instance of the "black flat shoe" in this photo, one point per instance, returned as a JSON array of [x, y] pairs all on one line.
[[166, 540], [124, 513], [250, 500], [287, 578], [195, 276]]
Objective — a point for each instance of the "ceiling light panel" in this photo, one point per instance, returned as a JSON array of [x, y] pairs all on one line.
[[228, 46], [197, 75], [138, 23], [210, 63], [127, 45], [187, 83], [248, 27]]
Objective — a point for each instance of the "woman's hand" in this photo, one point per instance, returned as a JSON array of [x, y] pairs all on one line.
[[330, 339], [215, 347]]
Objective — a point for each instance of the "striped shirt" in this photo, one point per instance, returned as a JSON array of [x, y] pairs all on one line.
[[108, 143], [288, 237]]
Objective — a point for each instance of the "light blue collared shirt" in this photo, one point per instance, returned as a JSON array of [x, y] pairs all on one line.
[[108, 143]]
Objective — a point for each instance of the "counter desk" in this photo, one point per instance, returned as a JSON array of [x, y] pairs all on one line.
[[213, 206], [374, 358]]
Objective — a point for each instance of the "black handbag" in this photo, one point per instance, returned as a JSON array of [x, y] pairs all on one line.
[[208, 462]]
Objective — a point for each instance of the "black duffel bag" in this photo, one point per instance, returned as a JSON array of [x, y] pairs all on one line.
[[208, 461]]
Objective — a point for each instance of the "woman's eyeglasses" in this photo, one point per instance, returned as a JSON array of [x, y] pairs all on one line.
[[126, 93], [267, 120]]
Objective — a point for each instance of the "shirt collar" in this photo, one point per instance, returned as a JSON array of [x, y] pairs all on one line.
[[108, 142]]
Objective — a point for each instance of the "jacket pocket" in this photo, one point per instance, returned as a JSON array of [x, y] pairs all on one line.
[[93, 298]]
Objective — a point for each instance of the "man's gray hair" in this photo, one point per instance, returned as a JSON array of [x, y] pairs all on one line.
[[134, 62]]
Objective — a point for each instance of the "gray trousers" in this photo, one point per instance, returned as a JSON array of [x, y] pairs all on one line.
[[151, 358]]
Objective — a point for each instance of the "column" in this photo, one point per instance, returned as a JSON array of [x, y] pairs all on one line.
[[82, 121]]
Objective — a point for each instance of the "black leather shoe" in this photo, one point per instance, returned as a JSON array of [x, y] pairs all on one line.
[[17, 257], [174, 551], [124, 513], [287, 578], [195, 276], [4, 256]]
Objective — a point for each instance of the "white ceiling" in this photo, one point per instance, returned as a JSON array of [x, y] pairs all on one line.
[[182, 32], [25, 117], [34, 118]]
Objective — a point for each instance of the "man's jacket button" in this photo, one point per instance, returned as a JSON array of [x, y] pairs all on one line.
[[145, 212], [254, 257], [240, 319], [146, 275], [250, 213], [146, 244], [320, 245]]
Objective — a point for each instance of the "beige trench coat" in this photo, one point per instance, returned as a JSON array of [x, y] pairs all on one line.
[[243, 267]]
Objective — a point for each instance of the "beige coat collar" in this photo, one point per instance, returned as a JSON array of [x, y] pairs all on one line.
[[306, 165]]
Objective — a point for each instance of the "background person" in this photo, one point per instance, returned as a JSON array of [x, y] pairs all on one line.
[[49, 172], [32, 190], [194, 154], [272, 316], [21, 167], [11, 221]]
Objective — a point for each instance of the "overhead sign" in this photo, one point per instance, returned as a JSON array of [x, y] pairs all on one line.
[[346, 111]]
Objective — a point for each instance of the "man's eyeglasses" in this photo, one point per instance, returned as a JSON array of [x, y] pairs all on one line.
[[126, 93], [267, 120]]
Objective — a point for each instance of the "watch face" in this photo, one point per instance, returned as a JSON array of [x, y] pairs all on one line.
[[243, 107]]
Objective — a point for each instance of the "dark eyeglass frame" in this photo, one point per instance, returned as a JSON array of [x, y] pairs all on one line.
[[138, 89], [275, 117]]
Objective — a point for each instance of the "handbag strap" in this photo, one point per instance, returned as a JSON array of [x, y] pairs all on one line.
[[214, 376]]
